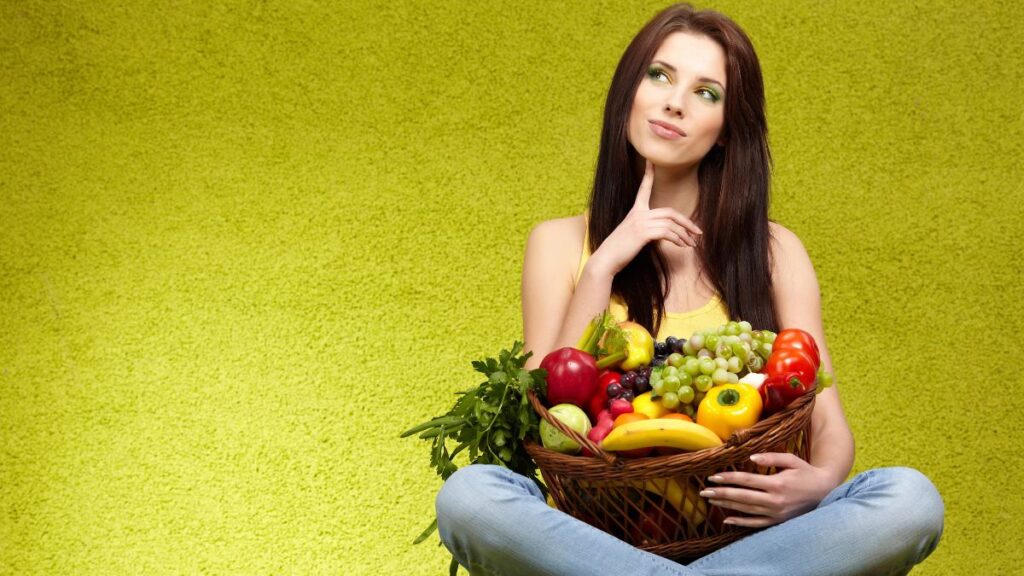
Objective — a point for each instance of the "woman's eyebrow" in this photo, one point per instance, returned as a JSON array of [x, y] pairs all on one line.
[[701, 79]]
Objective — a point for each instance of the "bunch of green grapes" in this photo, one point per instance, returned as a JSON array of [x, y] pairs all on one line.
[[684, 370]]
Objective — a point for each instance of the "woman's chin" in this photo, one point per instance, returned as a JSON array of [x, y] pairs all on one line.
[[670, 164], [660, 158]]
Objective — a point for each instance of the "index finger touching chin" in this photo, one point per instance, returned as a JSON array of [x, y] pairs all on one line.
[[643, 195]]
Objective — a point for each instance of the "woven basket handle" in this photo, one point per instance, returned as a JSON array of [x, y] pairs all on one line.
[[596, 450]]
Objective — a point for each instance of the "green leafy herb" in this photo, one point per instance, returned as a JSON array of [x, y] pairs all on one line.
[[491, 420]]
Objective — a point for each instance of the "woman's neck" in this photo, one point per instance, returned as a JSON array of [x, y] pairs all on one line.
[[678, 188]]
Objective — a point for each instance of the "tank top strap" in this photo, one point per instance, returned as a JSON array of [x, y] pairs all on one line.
[[585, 255]]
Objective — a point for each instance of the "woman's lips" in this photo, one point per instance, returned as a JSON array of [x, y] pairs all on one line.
[[665, 131]]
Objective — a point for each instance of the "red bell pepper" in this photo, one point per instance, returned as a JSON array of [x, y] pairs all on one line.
[[599, 401], [779, 390], [607, 377]]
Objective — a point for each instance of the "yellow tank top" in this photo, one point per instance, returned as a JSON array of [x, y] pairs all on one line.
[[678, 324]]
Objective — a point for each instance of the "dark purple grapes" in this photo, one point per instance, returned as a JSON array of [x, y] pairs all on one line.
[[642, 385], [628, 380], [644, 372], [659, 361], [614, 390], [670, 343], [660, 349], [679, 345], [628, 395]]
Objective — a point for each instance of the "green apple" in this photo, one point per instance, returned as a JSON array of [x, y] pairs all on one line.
[[573, 417]]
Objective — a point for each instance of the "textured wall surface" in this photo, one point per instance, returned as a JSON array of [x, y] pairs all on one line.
[[243, 246]]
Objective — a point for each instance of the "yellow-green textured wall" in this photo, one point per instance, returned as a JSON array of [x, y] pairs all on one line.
[[243, 245]]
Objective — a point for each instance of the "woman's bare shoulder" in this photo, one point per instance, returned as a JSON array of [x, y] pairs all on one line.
[[568, 230], [780, 233], [563, 236], [791, 266], [557, 244], [784, 244]]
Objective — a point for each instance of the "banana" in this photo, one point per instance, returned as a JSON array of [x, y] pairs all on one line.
[[660, 432], [681, 494], [685, 500]]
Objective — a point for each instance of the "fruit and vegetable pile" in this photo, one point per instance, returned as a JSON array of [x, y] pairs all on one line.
[[636, 397], [627, 394]]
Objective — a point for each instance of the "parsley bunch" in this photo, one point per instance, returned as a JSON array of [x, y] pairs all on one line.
[[491, 420]]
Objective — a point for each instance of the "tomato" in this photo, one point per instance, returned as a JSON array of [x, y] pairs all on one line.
[[792, 360], [797, 339]]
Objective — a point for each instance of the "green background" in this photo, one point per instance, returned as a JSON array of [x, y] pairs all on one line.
[[243, 246]]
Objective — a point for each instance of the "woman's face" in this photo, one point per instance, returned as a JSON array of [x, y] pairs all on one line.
[[684, 87]]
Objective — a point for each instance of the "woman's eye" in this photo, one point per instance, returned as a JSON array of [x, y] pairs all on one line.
[[709, 94], [656, 73]]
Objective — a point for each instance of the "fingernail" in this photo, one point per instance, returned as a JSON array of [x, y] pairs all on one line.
[[707, 493], [728, 521], [755, 458], [715, 478]]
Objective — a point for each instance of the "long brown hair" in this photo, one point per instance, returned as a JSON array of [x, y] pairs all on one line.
[[734, 178]]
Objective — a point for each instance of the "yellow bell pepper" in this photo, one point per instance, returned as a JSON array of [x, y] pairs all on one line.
[[729, 408]]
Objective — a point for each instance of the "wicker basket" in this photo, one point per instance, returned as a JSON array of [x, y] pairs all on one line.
[[653, 503]]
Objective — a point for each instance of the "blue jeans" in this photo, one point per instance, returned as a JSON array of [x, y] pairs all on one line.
[[882, 521]]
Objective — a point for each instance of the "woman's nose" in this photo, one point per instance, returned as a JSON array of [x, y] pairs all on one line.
[[675, 107], [674, 104]]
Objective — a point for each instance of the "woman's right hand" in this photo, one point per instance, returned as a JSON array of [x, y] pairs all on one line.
[[641, 226]]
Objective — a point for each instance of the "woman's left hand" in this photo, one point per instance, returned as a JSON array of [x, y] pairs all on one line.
[[798, 487]]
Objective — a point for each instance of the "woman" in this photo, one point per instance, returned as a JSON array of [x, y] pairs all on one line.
[[677, 238]]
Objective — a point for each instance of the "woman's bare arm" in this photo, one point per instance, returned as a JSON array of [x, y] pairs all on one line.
[[798, 485], [798, 305], [554, 313]]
